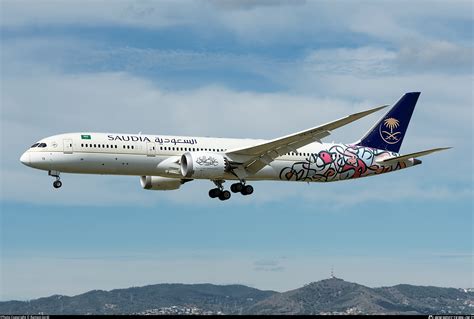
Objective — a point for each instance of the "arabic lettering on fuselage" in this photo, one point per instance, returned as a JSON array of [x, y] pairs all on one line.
[[175, 141], [159, 140]]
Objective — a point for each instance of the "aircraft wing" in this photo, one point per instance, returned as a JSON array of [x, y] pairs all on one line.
[[252, 159], [402, 158]]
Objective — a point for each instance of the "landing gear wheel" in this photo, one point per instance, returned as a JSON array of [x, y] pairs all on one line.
[[225, 195], [236, 188], [214, 193], [247, 190], [57, 184]]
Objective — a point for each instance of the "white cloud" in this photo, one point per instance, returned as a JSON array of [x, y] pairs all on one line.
[[440, 56], [95, 13], [363, 61], [255, 22]]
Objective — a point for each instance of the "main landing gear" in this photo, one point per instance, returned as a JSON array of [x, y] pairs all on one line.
[[242, 188], [57, 183], [224, 195], [219, 192]]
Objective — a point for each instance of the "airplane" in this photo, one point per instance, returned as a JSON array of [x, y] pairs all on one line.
[[167, 162]]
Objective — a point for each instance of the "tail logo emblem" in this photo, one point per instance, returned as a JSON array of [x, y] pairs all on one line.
[[388, 131]]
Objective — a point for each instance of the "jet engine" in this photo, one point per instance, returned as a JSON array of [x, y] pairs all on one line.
[[203, 165], [158, 183]]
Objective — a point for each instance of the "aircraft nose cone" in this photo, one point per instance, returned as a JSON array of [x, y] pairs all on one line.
[[25, 158]]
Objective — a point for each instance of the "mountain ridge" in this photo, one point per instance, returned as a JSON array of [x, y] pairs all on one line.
[[329, 296]]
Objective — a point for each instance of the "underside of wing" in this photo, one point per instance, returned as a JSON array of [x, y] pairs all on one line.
[[251, 159]]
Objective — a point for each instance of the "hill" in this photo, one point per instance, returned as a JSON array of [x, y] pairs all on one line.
[[225, 299], [336, 296], [331, 296]]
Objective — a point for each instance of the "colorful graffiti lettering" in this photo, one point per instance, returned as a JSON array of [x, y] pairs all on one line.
[[340, 162]]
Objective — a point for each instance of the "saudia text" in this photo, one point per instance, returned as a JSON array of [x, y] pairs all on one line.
[[159, 140]]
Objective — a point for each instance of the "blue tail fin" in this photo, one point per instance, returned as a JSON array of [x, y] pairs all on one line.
[[389, 132]]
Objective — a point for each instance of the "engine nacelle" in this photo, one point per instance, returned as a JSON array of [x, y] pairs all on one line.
[[158, 183], [203, 165]]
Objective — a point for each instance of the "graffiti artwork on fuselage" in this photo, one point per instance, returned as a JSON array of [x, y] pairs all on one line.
[[340, 162]]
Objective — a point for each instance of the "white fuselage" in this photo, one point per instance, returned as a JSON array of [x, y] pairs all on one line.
[[152, 155]]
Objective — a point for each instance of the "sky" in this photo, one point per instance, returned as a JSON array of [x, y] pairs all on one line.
[[243, 69]]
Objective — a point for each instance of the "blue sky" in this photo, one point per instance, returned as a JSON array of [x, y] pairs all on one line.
[[234, 69]]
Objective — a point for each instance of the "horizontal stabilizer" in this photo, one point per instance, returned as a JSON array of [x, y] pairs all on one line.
[[412, 155]]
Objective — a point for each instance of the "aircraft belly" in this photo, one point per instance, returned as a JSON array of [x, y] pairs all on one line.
[[107, 164]]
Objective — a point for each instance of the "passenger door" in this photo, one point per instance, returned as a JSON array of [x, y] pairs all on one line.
[[151, 149], [67, 146]]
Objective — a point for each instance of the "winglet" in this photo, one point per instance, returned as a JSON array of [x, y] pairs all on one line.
[[362, 114]]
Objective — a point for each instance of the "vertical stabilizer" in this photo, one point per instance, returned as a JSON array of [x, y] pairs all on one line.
[[389, 132]]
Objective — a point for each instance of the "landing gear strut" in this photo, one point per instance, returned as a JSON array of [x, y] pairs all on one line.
[[57, 183]]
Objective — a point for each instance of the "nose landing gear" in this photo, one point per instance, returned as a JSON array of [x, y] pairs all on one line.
[[57, 183]]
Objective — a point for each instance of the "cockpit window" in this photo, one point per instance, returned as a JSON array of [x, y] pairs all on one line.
[[42, 145], [34, 145]]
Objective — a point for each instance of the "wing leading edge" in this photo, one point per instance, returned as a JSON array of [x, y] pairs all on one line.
[[252, 159]]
